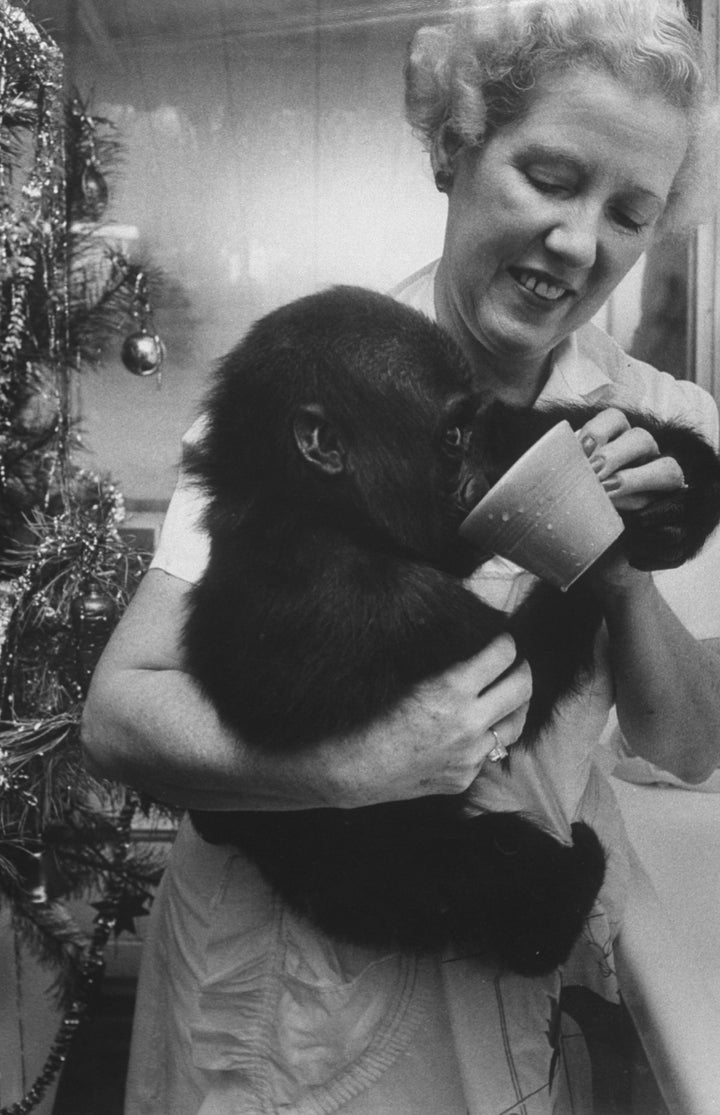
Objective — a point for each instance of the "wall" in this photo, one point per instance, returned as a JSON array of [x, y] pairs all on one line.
[[254, 171]]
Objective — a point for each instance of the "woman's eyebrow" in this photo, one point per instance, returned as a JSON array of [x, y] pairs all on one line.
[[561, 156], [542, 152]]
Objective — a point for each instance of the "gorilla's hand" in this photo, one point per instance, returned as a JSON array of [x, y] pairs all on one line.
[[674, 526]]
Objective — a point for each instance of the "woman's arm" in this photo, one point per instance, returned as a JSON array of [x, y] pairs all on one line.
[[146, 723], [667, 682]]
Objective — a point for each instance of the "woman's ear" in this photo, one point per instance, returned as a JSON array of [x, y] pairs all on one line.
[[318, 440], [445, 147]]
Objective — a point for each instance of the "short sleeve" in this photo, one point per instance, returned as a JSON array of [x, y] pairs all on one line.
[[183, 549]]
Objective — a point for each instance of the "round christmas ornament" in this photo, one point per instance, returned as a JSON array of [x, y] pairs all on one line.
[[93, 615], [94, 191], [142, 353]]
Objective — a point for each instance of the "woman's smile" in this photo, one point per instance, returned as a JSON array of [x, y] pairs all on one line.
[[543, 286]]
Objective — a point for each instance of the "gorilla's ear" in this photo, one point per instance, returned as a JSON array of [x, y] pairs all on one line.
[[318, 440]]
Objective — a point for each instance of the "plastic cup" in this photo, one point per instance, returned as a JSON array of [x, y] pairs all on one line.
[[549, 513]]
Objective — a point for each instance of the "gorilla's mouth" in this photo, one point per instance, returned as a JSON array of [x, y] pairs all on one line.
[[471, 490]]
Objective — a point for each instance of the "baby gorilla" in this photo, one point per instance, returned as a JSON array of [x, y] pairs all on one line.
[[340, 436]]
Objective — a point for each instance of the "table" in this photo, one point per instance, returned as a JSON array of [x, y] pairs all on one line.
[[669, 950]]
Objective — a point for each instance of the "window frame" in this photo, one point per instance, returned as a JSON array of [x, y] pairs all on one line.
[[704, 301]]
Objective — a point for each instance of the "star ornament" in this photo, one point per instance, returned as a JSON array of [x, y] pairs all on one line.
[[119, 915]]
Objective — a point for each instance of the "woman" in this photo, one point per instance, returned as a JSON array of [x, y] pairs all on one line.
[[565, 134]]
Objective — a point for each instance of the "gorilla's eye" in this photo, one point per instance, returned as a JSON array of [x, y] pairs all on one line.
[[453, 437]]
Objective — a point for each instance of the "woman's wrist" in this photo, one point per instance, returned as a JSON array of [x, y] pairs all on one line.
[[618, 585]]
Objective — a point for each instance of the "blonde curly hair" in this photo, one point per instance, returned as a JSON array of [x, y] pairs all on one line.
[[471, 76]]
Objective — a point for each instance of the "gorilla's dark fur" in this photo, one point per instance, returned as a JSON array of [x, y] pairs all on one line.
[[342, 432]]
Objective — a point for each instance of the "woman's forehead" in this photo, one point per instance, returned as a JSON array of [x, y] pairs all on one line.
[[588, 119]]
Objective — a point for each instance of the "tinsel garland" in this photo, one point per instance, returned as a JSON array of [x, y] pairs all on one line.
[[63, 833], [65, 289], [66, 573], [48, 649], [32, 181], [34, 369], [90, 972]]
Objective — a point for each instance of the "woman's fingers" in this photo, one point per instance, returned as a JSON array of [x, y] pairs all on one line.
[[478, 673], [631, 489], [602, 428], [503, 687], [633, 447], [505, 732], [627, 461]]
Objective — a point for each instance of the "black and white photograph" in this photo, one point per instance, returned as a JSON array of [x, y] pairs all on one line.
[[359, 557]]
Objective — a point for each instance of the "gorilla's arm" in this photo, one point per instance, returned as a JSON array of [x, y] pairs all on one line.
[[674, 527]]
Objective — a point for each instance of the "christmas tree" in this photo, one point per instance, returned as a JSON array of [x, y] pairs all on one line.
[[66, 572]]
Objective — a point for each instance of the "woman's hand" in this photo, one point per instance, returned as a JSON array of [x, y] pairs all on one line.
[[628, 462], [438, 738], [645, 486]]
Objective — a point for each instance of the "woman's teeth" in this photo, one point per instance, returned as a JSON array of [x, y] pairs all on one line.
[[540, 287]]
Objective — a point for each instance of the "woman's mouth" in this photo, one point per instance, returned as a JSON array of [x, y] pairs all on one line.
[[543, 288]]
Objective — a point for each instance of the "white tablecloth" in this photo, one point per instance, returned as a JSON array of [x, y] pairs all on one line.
[[669, 949]]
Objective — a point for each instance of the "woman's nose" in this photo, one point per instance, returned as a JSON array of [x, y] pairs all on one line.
[[574, 237]]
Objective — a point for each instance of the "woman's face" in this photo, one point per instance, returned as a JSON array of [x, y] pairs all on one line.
[[548, 216]]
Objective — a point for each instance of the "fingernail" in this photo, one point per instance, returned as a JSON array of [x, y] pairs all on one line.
[[588, 443], [611, 484], [597, 463]]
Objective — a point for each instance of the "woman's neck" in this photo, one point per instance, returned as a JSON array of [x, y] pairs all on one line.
[[515, 378], [519, 386]]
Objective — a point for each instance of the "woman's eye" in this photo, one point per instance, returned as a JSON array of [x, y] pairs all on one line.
[[547, 185], [628, 222]]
